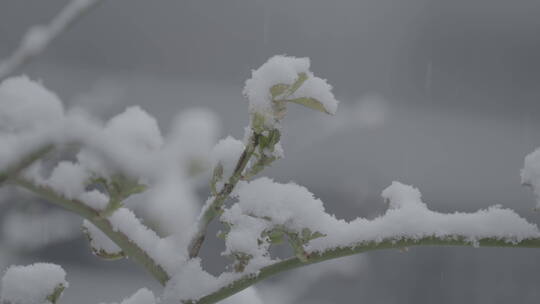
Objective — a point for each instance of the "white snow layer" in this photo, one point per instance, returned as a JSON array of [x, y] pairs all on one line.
[[27, 105], [294, 207], [164, 251], [29, 116], [227, 152], [285, 70], [31, 284], [142, 296]]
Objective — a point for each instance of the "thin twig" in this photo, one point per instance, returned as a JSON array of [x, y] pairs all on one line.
[[214, 208], [37, 38], [335, 253]]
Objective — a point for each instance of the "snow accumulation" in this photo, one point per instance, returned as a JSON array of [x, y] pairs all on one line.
[[31, 284], [226, 152], [264, 204], [285, 70], [530, 174], [128, 144], [294, 207], [164, 251], [192, 282], [142, 296], [29, 115]]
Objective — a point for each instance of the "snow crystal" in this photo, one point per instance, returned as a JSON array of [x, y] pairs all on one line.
[[285, 70], [31, 284], [530, 174]]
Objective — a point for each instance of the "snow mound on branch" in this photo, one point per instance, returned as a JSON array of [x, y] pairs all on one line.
[[164, 251], [27, 105], [30, 116], [294, 207], [227, 151], [31, 284], [128, 143], [408, 217], [289, 205]]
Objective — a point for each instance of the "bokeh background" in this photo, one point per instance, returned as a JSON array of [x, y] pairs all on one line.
[[443, 95]]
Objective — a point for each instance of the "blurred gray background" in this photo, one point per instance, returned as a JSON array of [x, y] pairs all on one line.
[[443, 95]]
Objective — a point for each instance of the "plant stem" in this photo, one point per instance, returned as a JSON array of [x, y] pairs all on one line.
[[130, 248], [30, 48], [214, 208], [335, 253]]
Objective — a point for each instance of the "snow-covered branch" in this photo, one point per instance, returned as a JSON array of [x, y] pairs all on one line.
[[38, 37], [334, 253], [291, 209], [126, 162], [115, 228]]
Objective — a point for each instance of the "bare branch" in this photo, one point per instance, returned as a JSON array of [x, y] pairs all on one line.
[[38, 37]]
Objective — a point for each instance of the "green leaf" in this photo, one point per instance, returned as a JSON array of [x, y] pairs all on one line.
[[309, 102], [302, 77], [258, 122], [278, 89]]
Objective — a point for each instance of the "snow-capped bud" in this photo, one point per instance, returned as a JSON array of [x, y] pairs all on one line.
[[282, 80]]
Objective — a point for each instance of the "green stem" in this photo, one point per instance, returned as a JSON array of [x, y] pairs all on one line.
[[335, 253], [130, 248], [214, 208]]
